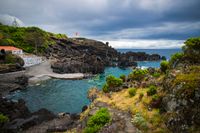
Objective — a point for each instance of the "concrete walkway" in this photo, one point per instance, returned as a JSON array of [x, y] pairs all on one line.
[[43, 71]]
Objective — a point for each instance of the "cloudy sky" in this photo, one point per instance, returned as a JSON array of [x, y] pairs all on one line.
[[124, 23]]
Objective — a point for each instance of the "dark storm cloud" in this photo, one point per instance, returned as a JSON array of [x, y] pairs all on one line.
[[110, 19]]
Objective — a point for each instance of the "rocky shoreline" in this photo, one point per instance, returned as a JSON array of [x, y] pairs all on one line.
[[83, 57]]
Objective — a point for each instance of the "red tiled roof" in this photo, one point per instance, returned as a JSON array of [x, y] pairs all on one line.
[[9, 48]]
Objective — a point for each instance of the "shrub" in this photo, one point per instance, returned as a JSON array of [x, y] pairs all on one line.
[[138, 74], [192, 49], [98, 120], [123, 77], [3, 119], [155, 97], [132, 92], [163, 58], [164, 65], [156, 74], [141, 96], [113, 81], [175, 57], [139, 121], [151, 90], [105, 88]]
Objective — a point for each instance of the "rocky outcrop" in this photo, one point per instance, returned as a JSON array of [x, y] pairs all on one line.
[[80, 55], [120, 121], [20, 118], [129, 59], [182, 99], [90, 56], [12, 81]]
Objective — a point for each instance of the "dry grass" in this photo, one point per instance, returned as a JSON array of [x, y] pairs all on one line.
[[123, 101]]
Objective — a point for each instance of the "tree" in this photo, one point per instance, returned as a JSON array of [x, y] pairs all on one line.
[[35, 39]]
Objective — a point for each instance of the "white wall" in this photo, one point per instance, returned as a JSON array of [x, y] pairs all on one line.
[[17, 52]]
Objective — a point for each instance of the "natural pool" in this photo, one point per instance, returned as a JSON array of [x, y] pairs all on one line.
[[70, 96]]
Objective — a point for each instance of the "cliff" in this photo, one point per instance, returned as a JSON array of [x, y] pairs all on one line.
[[69, 55]]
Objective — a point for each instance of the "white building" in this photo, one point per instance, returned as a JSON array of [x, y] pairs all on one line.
[[12, 49]]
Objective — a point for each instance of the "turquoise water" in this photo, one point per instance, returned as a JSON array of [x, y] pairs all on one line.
[[70, 95], [63, 95]]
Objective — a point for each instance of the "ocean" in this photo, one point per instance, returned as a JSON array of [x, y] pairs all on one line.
[[70, 96]]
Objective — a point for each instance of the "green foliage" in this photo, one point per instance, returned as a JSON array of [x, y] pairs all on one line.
[[175, 57], [138, 74], [155, 97], [123, 77], [139, 121], [93, 129], [113, 81], [3, 118], [151, 90], [132, 92], [98, 120], [10, 59], [30, 39], [156, 74], [190, 82], [13, 59], [105, 88], [163, 58], [191, 49], [164, 65], [141, 95]]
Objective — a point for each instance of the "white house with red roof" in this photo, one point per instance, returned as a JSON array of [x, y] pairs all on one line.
[[29, 59], [12, 49]]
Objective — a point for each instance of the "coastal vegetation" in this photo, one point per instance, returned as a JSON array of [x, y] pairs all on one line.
[[147, 98], [29, 39], [132, 92], [111, 83], [164, 65], [98, 120], [158, 94], [3, 119]]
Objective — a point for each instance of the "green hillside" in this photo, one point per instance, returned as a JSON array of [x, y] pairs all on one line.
[[30, 39]]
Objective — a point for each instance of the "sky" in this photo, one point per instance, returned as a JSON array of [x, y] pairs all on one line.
[[123, 23]]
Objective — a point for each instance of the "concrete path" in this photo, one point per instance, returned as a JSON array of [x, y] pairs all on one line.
[[43, 71]]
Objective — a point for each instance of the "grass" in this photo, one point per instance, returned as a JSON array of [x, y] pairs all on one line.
[[191, 81], [123, 101]]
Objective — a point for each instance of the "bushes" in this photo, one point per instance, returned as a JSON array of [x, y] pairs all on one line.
[[156, 74], [175, 57], [151, 90], [138, 74], [113, 81], [132, 92], [139, 121], [97, 121], [155, 97], [3, 119], [105, 88], [192, 49], [123, 77], [164, 65]]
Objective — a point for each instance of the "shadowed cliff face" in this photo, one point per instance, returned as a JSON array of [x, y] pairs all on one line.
[[80, 55], [90, 56]]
